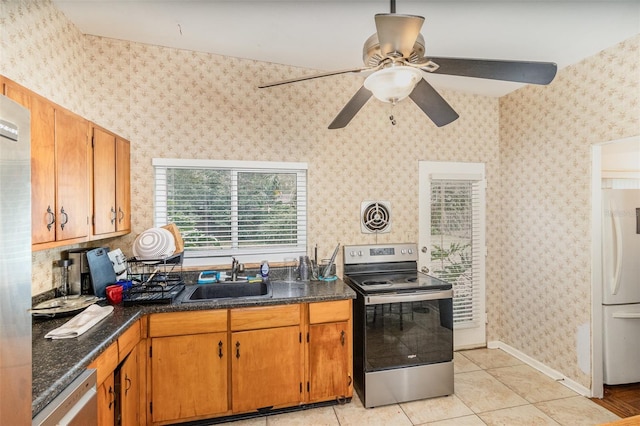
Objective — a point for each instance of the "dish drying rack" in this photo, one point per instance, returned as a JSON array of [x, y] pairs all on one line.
[[153, 281]]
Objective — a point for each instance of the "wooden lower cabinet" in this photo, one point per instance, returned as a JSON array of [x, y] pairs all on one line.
[[213, 363], [120, 381], [265, 368], [189, 376], [107, 402], [329, 362], [330, 370], [105, 366], [129, 390]]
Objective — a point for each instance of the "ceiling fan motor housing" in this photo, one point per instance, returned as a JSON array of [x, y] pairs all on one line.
[[375, 217], [372, 56]]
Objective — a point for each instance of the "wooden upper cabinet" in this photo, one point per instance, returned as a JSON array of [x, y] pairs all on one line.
[[123, 185], [111, 183], [104, 181], [43, 183], [72, 175], [61, 175]]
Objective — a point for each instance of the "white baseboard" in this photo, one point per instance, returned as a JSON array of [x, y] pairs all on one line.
[[555, 375]]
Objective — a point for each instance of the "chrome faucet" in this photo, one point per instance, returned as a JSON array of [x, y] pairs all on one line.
[[235, 268]]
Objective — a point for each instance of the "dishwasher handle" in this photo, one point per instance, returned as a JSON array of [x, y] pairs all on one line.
[[416, 296]]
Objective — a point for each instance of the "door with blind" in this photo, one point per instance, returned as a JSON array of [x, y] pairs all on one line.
[[452, 241]]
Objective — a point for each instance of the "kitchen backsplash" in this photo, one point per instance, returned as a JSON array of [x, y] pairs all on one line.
[[535, 143]]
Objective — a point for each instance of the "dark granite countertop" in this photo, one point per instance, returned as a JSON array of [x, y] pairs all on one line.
[[56, 363]]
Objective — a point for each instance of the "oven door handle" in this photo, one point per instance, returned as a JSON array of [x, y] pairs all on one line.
[[408, 297]]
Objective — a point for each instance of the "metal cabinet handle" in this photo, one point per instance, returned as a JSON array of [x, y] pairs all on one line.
[[237, 349], [425, 249], [220, 348], [128, 384], [52, 218], [342, 337], [113, 215], [65, 216], [121, 215], [349, 381], [113, 397]]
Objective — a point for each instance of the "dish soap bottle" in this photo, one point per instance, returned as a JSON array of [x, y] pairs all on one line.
[[264, 269]]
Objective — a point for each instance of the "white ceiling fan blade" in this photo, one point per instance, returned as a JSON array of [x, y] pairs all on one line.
[[312, 76]]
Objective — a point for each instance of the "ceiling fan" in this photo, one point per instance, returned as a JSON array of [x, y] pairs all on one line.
[[395, 55]]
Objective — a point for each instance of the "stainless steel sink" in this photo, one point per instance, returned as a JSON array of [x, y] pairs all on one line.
[[227, 290]]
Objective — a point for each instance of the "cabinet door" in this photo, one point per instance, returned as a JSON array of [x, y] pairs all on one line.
[[188, 376], [123, 185], [72, 197], [104, 182], [106, 402], [329, 372], [43, 182], [129, 390], [266, 368]]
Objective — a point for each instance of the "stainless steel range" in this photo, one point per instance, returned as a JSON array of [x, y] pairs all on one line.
[[403, 326]]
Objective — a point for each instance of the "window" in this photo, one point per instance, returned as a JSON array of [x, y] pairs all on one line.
[[452, 238], [455, 254], [253, 210]]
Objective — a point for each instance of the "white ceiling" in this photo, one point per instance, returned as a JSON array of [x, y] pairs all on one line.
[[329, 34]]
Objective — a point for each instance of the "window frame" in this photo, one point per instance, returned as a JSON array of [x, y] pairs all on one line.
[[221, 257]]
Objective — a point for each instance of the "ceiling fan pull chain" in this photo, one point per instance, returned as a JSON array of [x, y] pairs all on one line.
[[391, 118]]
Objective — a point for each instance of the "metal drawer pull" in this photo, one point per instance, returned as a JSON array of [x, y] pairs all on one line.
[[220, 348], [237, 349], [113, 215], [121, 215], [342, 337]]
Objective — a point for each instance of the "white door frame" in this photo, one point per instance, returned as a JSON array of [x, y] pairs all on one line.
[[597, 346], [597, 360]]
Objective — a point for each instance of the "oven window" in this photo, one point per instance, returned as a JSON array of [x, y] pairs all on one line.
[[408, 334]]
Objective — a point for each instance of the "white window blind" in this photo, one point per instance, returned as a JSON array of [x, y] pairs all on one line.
[[257, 210], [457, 244]]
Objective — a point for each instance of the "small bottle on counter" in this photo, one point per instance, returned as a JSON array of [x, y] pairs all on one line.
[[264, 269]]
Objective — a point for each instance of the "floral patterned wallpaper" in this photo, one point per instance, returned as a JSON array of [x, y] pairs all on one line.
[[184, 104], [546, 136]]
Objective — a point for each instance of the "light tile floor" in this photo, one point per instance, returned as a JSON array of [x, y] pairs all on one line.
[[491, 388]]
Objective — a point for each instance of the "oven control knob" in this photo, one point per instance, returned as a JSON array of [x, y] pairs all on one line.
[[425, 269], [403, 251], [359, 252], [352, 253], [410, 251]]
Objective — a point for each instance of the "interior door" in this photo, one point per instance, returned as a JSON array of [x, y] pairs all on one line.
[[452, 241]]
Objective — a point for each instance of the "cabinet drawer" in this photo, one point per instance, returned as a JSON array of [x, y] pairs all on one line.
[[183, 323], [105, 363], [128, 340], [265, 317], [339, 310]]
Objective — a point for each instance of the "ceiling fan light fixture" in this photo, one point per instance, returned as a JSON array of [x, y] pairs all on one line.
[[393, 84]]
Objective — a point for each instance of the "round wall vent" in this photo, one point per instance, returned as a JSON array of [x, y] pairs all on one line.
[[375, 217]]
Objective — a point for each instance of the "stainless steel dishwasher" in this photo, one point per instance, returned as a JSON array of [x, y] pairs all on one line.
[[76, 405]]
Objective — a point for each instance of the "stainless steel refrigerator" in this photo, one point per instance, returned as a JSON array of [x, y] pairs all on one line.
[[621, 285], [15, 264]]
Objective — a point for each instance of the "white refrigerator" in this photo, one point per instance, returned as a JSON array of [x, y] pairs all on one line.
[[621, 285]]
